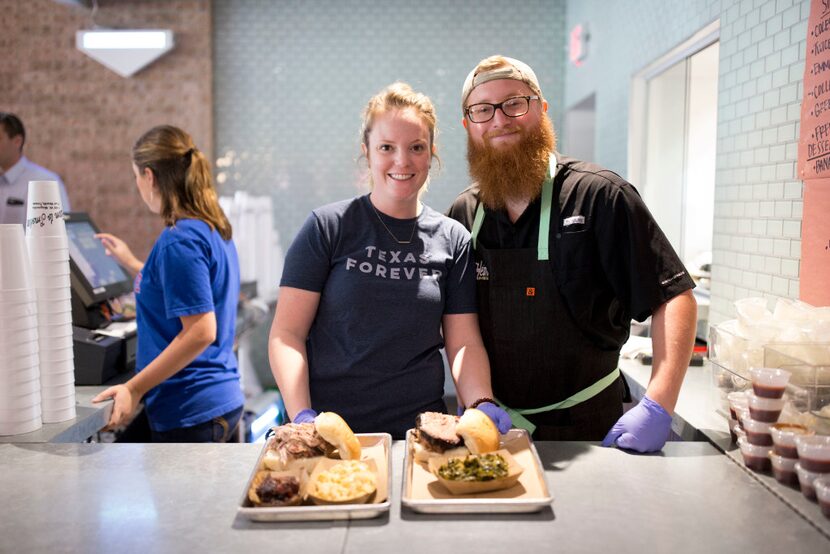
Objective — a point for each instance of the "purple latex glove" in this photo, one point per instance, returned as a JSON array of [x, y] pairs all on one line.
[[499, 416], [643, 428], [305, 416]]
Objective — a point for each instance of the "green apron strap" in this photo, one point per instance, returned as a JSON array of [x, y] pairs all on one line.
[[479, 219], [516, 414], [542, 251], [519, 421], [544, 220]]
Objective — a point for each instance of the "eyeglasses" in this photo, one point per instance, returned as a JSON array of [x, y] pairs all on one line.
[[516, 106]]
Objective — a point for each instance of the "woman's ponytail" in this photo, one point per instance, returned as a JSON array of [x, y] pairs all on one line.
[[183, 177]]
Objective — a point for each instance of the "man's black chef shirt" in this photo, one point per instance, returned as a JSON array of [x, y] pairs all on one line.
[[611, 261]]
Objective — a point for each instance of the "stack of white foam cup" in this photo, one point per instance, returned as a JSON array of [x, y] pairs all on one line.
[[48, 248], [19, 377]]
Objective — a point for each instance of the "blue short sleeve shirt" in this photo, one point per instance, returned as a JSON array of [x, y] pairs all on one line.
[[191, 270]]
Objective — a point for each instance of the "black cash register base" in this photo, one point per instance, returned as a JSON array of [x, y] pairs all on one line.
[[101, 359], [96, 279]]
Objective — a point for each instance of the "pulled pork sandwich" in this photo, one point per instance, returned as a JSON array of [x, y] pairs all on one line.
[[303, 444], [295, 442], [438, 434]]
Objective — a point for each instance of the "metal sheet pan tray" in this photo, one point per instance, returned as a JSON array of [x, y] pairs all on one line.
[[379, 443], [422, 492]]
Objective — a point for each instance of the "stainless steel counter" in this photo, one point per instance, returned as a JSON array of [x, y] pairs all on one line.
[[90, 418], [105, 479], [697, 417], [183, 498]]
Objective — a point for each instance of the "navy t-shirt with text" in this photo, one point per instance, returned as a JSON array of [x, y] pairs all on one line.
[[374, 346]]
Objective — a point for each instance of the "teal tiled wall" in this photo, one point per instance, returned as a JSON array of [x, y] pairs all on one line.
[[291, 78]]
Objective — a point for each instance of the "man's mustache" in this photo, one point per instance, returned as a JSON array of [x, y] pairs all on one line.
[[501, 132]]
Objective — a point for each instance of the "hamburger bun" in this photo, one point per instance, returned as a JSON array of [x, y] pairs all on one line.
[[334, 430], [478, 431]]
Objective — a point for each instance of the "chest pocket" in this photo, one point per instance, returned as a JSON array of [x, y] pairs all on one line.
[[577, 255]]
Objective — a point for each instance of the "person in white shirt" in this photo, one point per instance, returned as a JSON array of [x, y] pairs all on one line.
[[16, 171]]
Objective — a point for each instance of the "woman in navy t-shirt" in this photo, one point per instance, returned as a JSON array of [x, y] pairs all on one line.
[[186, 296], [374, 287]]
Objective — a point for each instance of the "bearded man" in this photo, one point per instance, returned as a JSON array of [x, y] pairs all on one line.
[[567, 254]]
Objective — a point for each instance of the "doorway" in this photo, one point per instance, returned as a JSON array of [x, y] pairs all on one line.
[[580, 129], [672, 152]]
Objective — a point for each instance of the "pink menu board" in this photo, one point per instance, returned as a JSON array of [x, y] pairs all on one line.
[[814, 284], [814, 159]]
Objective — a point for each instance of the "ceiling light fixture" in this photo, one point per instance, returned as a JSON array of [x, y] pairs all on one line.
[[125, 52]]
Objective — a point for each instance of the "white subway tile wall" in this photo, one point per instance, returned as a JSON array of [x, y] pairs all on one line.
[[758, 206], [762, 53]]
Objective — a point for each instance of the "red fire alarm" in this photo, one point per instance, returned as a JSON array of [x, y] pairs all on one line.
[[578, 44]]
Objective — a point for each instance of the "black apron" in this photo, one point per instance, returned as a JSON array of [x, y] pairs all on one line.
[[551, 379]]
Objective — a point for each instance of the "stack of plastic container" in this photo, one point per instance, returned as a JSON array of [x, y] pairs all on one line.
[[763, 408], [795, 337], [19, 378], [784, 455], [782, 422], [48, 248]]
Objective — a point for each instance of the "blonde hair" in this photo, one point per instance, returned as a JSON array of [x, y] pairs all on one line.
[[182, 175], [401, 96]]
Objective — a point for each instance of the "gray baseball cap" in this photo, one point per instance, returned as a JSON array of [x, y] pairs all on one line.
[[510, 69]]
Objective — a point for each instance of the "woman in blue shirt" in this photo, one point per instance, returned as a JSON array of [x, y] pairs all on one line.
[[186, 296]]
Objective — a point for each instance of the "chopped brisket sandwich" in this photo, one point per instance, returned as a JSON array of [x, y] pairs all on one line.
[[438, 434]]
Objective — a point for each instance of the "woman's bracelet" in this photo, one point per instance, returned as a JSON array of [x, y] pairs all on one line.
[[481, 401]]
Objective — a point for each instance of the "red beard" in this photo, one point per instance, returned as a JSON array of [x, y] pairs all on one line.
[[517, 172]]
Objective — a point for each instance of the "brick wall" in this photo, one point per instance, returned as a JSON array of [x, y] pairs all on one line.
[[757, 228], [81, 118]]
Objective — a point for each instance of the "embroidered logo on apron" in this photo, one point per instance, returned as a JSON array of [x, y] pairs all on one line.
[[482, 273]]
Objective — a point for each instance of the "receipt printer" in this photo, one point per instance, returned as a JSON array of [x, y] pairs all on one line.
[[99, 358]]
